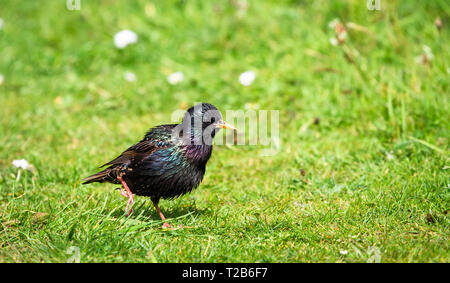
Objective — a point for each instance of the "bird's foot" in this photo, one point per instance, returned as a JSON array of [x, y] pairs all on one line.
[[122, 192], [127, 194], [167, 226], [129, 211], [130, 202]]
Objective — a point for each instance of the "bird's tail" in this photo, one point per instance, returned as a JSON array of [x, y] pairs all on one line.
[[102, 176]]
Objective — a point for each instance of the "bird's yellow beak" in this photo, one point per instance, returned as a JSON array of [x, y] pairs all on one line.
[[225, 125]]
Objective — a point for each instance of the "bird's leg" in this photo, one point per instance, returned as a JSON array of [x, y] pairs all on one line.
[[129, 195], [125, 194], [122, 192], [155, 204]]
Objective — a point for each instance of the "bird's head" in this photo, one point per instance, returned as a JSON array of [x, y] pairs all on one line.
[[204, 121]]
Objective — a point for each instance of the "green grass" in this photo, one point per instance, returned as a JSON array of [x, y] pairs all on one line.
[[375, 169]]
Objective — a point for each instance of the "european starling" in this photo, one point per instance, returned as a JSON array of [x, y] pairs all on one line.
[[169, 161]]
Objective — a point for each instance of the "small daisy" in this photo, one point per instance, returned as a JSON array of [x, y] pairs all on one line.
[[129, 76], [124, 38], [21, 164], [341, 36], [341, 33], [334, 41], [333, 23], [390, 156], [175, 78], [247, 78], [427, 51], [343, 252], [426, 57], [2, 78]]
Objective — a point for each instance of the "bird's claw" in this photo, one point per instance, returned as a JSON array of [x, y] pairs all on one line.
[[127, 193], [123, 192], [167, 225], [130, 202]]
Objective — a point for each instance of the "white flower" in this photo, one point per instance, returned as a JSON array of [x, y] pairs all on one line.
[[419, 59], [247, 78], [343, 252], [390, 156], [333, 23], [334, 41], [124, 38], [341, 36], [175, 78], [22, 163], [129, 76], [1, 23], [426, 56], [427, 52], [2, 78]]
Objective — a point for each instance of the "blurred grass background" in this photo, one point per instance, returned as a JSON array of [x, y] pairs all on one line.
[[371, 172]]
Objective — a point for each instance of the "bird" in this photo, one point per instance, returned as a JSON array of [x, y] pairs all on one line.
[[168, 162]]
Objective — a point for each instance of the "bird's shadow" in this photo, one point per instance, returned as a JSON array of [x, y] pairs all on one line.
[[148, 211]]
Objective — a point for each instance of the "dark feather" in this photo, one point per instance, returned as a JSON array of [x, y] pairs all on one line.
[[102, 176], [159, 165]]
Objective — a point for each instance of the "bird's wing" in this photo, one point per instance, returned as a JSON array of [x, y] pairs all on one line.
[[155, 155], [156, 139], [166, 161], [128, 159], [137, 152]]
